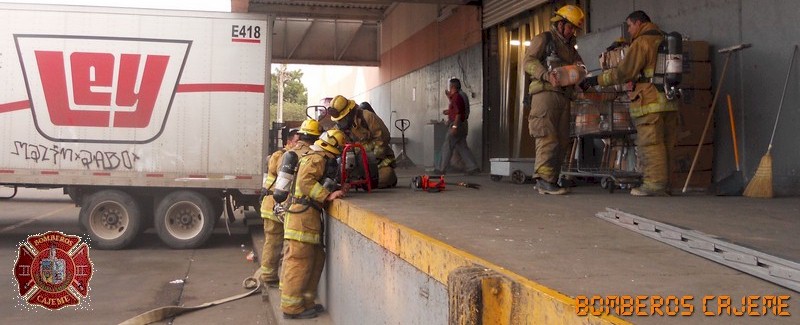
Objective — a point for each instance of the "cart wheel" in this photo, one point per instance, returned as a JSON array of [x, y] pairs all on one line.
[[518, 177], [496, 178], [608, 184]]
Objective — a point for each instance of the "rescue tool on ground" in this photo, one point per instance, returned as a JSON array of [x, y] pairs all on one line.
[[436, 183]]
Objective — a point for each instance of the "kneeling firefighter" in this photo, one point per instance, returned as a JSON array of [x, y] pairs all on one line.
[[305, 257], [367, 129], [273, 223]]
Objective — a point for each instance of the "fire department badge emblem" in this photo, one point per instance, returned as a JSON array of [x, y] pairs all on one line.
[[53, 270]]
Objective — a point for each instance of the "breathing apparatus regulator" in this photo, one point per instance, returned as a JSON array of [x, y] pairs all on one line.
[[669, 65], [286, 174]]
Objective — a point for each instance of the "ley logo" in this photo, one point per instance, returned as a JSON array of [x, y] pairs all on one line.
[[53, 270], [100, 89]]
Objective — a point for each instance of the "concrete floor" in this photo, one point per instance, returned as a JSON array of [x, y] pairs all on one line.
[[558, 242]]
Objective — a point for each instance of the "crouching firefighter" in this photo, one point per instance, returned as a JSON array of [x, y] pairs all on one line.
[[304, 255], [273, 222]]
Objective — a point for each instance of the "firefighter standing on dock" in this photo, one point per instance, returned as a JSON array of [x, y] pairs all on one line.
[[549, 118], [656, 118], [273, 224], [305, 257]]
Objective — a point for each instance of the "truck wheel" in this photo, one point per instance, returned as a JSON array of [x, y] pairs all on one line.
[[112, 218], [184, 219]]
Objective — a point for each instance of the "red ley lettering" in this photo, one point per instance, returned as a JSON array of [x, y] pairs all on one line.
[[92, 85], [52, 71], [91, 70], [154, 68]]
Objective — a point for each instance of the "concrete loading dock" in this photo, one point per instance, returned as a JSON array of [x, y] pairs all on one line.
[[390, 252]]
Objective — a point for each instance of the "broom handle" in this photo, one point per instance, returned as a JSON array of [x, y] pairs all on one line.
[[708, 121], [733, 133], [785, 84]]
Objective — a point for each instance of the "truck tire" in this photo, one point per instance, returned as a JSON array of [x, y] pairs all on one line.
[[112, 218], [184, 219]]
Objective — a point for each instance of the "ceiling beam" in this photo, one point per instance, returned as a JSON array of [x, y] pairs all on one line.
[[389, 2], [289, 11]]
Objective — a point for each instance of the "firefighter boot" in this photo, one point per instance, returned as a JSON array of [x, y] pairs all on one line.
[[545, 187], [306, 314]]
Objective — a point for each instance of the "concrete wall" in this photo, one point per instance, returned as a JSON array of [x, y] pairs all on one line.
[[419, 97], [754, 79], [381, 272], [366, 284], [419, 54]]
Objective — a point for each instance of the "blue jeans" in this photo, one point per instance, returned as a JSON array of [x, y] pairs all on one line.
[[457, 143]]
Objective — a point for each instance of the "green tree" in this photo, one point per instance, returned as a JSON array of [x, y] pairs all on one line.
[[291, 112], [293, 90]]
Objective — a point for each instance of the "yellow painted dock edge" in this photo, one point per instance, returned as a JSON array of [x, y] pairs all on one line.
[[536, 304]]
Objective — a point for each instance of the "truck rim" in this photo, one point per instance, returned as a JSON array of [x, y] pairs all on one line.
[[184, 220], [109, 220]]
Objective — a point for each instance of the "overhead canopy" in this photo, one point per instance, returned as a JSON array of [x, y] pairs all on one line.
[[330, 32]]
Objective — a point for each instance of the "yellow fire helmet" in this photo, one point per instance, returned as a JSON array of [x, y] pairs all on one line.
[[331, 141], [571, 13], [310, 127], [340, 107]]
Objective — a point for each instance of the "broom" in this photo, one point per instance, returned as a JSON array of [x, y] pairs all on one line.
[[761, 183]]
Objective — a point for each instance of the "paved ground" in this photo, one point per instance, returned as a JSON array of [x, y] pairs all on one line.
[[131, 281]]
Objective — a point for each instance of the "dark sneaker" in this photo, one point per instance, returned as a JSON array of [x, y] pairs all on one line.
[[318, 307], [306, 314], [475, 171], [545, 187], [642, 191]]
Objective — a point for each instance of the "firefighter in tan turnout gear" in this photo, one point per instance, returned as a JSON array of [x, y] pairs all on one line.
[[273, 224], [655, 117], [549, 118], [305, 257], [367, 129]]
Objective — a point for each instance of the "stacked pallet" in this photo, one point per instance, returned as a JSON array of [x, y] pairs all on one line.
[[693, 110]]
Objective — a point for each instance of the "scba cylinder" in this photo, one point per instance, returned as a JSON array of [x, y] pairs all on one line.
[[674, 59], [286, 173]]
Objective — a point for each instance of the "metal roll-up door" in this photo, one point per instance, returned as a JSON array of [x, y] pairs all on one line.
[[496, 11]]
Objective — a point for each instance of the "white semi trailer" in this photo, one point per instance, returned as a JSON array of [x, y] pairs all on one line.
[[144, 117]]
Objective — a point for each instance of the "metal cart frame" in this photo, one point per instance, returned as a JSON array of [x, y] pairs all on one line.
[[610, 175]]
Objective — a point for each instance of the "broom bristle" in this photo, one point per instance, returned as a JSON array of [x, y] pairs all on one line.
[[761, 184]]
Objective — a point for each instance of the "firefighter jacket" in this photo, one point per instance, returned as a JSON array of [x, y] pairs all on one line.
[[369, 131], [274, 162], [638, 66], [308, 197], [535, 60]]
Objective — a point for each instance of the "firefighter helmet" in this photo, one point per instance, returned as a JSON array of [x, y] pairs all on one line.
[[571, 13], [340, 107], [331, 141], [310, 127]]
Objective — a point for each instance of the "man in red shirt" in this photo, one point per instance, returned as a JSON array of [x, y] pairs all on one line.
[[456, 139]]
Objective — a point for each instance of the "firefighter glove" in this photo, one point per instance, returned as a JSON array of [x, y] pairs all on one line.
[[589, 82]]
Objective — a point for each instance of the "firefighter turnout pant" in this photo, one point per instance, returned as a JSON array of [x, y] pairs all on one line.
[[386, 177], [548, 124], [303, 261], [656, 135], [273, 241]]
